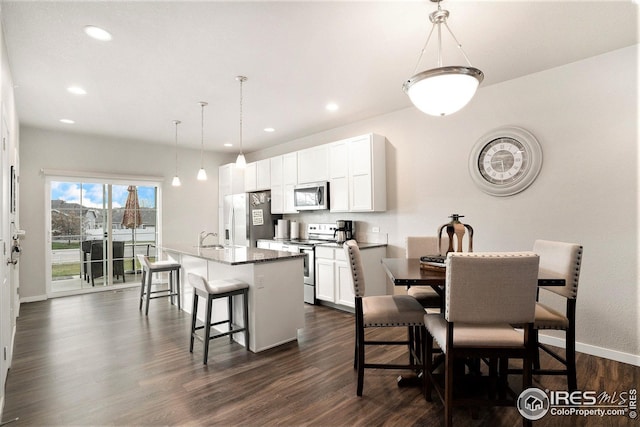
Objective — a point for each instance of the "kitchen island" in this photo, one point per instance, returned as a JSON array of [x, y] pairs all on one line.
[[275, 278]]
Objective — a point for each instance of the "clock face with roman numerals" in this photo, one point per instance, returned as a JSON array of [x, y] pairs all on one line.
[[505, 161]]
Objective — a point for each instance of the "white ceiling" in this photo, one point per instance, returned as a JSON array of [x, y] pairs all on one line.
[[298, 56]]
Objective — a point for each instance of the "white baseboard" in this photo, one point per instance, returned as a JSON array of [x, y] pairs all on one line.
[[33, 299], [593, 350], [13, 341]]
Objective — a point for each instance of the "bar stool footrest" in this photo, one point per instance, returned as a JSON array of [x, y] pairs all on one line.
[[234, 330]]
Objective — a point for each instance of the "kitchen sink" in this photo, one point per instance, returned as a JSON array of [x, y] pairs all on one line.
[[210, 247]]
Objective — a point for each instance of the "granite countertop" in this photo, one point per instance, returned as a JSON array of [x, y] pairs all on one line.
[[361, 245], [232, 255]]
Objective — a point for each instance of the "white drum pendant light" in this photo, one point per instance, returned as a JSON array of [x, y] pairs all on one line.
[[443, 90]]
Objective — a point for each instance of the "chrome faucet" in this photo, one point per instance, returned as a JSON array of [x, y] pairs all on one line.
[[204, 235]]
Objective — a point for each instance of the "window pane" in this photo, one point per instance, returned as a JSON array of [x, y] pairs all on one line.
[[80, 232]]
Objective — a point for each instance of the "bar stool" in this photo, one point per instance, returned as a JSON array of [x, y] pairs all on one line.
[[148, 268], [216, 289]]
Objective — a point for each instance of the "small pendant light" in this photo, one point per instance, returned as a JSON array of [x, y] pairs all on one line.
[[202, 174], [241, 162], [176, 180]]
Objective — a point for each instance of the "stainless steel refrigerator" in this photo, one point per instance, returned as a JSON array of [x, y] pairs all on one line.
[[247, 218]]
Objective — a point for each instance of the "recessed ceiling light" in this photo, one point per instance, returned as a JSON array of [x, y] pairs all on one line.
[[228, 144], [67, 121], [97, 33], [332, 106], [269, 130], [76, 90]]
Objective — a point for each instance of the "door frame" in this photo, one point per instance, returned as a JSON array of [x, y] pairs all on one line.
[[98, 178]]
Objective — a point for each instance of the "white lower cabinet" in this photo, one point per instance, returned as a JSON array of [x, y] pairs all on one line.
[[325, 285], [333, 275], [344, 284]]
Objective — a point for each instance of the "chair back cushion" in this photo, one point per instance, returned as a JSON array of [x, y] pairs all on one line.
[[491, 287], [352, 251], [418, 246], [561, 260], [97, 250], [86, 245], [143, 260], [118, 249], [197, 281]]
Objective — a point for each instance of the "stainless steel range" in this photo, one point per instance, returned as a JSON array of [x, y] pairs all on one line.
[[316, 234]]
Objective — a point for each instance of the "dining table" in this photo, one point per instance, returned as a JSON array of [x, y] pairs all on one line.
[[408, 272]]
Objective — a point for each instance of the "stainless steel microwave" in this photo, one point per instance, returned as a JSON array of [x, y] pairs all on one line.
[[313, 196]]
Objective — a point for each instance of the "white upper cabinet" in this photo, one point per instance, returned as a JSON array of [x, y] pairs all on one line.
[[284, 177], [230, 181], [354, 167], [263, 174], [289, 180], [358, 181], [313, 164], [250, 177], [277, 189], [257, 176], [339, 176]]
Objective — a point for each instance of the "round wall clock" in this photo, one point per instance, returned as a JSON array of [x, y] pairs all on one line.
[[505, 161]]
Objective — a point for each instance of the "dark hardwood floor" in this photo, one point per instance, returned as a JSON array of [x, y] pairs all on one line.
[[96, 360]]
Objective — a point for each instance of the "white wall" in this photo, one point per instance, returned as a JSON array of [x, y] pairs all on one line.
[[186, 210], [585, 116]]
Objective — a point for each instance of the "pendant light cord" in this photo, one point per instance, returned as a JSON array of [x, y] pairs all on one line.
[[438, 18], [242, 79], [202, 104], [177, 122]]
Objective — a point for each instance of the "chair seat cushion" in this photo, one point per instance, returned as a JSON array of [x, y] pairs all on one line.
[[473, 335], [548, 318], [426, 296], [222, 286], [164, 264], [392, 310]]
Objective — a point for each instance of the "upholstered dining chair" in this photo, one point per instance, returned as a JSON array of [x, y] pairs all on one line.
[[86, 252], [118, 260], [97, 258], [486, 292], [560, 260], [382, 311], [418, 246]]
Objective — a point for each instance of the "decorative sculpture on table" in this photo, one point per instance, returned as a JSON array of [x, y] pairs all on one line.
[[457, 229]]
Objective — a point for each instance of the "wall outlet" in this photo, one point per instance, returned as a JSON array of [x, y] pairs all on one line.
[[375, 229], [260, 282]]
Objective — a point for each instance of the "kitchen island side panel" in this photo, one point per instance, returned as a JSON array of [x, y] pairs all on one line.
[[276, 299], [276, 290]]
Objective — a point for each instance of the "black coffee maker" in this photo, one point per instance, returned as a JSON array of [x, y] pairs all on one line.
[[344, 231]]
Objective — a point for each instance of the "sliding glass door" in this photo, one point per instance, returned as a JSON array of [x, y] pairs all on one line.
[[96, 229]]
